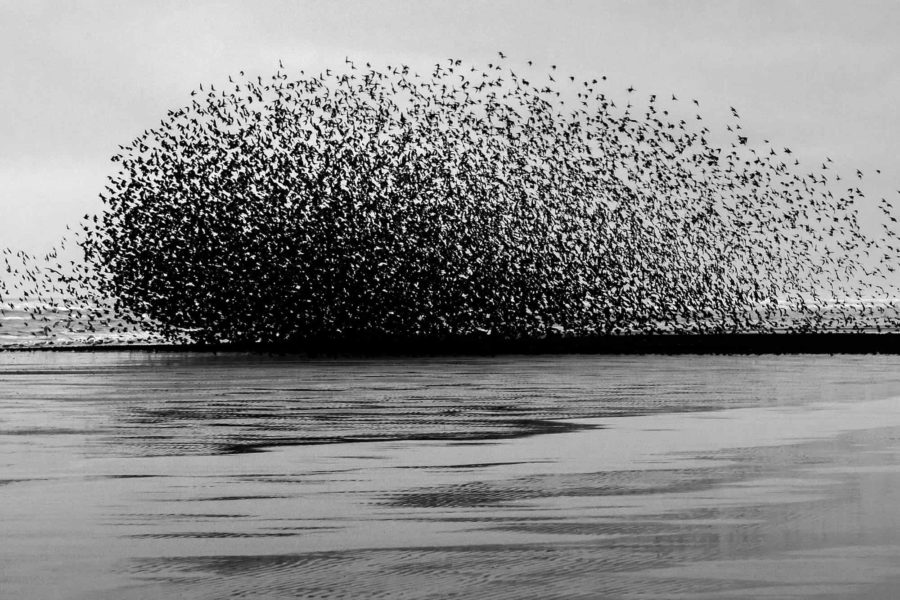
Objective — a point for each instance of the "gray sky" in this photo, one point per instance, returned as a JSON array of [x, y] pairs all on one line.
[[78, 78]]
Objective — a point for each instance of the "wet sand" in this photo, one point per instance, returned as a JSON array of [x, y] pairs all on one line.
[[137, 476]]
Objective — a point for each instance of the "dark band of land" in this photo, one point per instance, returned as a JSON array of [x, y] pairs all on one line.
[[729, 343]]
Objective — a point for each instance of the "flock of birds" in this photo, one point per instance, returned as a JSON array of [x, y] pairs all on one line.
[[373, 203]]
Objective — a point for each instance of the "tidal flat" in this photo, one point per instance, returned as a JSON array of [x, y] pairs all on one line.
[[127, 475]]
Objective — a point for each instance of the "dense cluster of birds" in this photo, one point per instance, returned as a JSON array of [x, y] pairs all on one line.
[[465, 201]]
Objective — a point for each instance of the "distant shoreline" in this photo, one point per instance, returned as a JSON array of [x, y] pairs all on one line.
[[737, 343]]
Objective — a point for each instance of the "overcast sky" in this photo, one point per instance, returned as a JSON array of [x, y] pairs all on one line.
[[78, 78]]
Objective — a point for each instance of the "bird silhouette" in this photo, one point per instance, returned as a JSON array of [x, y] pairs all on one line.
[[371, 203]]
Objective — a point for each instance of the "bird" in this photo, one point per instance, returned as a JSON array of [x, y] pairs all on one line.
[[377, 204]]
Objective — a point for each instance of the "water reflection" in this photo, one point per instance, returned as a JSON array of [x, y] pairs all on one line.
[[132, 475], [178, 404]]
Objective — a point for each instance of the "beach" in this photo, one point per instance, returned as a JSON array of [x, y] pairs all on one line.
[[146, 475]]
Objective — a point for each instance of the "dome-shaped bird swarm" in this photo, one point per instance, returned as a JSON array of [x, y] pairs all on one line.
[[367, 203]]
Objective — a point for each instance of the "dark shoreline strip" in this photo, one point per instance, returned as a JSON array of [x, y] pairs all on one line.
[[737, 343]]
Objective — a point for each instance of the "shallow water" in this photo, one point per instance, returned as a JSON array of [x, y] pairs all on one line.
[[136, 475]]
